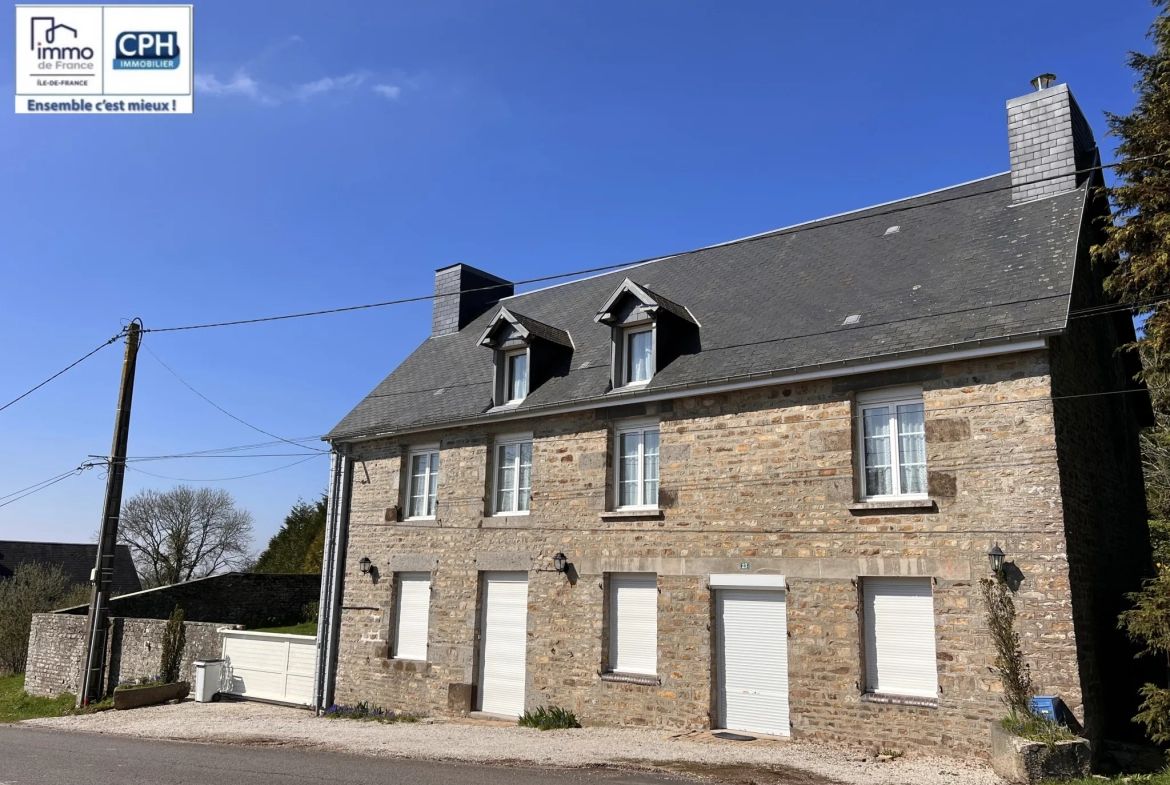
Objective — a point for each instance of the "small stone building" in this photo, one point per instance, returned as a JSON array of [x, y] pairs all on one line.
[[754, 486]]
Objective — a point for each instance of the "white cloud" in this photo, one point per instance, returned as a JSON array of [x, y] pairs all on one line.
[[388, 90], [239, 84], [328, 84]]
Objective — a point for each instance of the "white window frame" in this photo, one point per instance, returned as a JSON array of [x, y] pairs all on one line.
[[628, 334], [891, 399], [509, 356], [635, 426], [414, 452], [500, 442], [401, 579], [639, 628]]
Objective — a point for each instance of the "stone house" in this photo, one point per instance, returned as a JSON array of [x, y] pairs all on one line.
[[754, 486]]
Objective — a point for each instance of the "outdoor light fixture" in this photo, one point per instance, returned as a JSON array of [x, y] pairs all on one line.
[[995, 556], [364, 565], [559, 562]]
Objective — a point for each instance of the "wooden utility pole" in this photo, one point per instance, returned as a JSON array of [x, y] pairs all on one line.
[[103, 572]]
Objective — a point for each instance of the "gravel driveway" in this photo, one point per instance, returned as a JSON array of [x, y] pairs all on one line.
[[695, 753]]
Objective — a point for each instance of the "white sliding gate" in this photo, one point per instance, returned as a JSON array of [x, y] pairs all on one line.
[[269, 666]]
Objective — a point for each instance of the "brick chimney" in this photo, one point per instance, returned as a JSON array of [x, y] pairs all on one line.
[[455, 305], [1050, 140]]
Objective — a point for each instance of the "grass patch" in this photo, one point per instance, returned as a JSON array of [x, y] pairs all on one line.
[[1161, 778], [304, 628], [1034, 727], [15, 705], [367, 713], [549, 718]]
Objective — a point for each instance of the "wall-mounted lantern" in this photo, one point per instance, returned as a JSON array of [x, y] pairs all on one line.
[[560, 562], [996, 556], [365, 565]]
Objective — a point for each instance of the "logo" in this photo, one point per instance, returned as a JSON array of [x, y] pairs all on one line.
[[146, 51], [49, 28]]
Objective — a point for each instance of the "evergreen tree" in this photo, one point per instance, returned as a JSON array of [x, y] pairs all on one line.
[[1137, 239], [298, 546]]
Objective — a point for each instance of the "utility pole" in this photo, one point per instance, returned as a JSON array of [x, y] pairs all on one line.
[[103, 572]]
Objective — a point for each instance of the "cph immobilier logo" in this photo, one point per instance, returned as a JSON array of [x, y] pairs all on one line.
[[104, 59]]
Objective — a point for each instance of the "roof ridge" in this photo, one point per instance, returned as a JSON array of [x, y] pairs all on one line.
[[759, 235]]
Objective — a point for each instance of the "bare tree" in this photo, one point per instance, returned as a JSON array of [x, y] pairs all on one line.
[[185, 533]]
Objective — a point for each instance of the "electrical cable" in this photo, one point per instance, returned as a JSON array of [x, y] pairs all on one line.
[[226, 479], [36, 488], [865, 214], [216, 405], [63, 370]]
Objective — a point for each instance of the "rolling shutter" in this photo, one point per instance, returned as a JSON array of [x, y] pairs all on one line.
[[633, 623], [753, 661], [899, 637], [505, 643], [414, 610]]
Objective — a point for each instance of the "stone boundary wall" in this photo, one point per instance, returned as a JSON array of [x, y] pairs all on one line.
[[56, 651], [250, 599]]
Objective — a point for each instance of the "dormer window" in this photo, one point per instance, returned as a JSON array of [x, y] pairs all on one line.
[[639, 351], [527, 353], [649, 331], [517, 380]]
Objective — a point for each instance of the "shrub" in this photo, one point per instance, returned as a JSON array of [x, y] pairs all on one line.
[[1148, 623], [310, 611], [549, 718], [174, 640], [366, 712], [1009, 658], [32, 588]]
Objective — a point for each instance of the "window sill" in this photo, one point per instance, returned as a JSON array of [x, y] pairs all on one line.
[[887, 505], [514, 514], [644, 679], [418, 518], [899, 700], [646, 513]]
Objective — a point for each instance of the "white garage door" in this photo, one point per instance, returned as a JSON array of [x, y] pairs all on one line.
[[270, 666], [753, 660], [504, 644]]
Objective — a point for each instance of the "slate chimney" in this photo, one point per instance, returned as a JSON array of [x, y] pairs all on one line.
[[461, 294], [1050, 140]]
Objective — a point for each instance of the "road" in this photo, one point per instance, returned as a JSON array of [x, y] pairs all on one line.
[[34, 756]]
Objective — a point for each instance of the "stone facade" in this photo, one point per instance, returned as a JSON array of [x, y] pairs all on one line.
[[56, 651], [764, 478]]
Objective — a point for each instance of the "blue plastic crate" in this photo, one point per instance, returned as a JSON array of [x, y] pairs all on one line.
[[1052, 707]]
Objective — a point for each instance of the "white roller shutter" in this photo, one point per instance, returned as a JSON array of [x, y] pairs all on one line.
[[899, 637], [414, 610], [753, 660], [633, 623], [503, 648]]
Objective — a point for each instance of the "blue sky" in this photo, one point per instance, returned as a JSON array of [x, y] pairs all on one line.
[[339, 153]]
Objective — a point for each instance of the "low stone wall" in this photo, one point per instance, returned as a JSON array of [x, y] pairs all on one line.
[[56, 651], [250, 599]]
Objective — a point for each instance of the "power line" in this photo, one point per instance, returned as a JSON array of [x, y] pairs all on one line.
[[40, 486], [226, 479], [213, 403], [864, 215], [63, 370]]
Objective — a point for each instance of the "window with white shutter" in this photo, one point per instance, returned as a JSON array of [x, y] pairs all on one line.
[[899, 637], [414, 610], [633, 623]]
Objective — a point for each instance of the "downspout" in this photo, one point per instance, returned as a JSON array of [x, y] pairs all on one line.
[[337, 520]]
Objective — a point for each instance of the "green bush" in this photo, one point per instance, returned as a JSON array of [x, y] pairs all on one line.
[[174, 640], [549, 718], [1035, 727], [33, 588]]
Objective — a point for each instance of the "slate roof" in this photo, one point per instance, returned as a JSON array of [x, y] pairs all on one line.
[[76, 559], [964, 266], [538, 329]]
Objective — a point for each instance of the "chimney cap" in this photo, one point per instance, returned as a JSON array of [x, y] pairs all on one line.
[[1044, 81]]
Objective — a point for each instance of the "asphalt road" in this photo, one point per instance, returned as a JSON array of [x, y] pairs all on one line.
[[32, 756]]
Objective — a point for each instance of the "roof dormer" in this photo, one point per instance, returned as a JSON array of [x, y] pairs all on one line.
[[649, 331], [527, 353]]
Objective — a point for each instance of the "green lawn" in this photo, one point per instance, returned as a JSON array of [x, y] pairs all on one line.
[[304, 628], [16, 706]]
